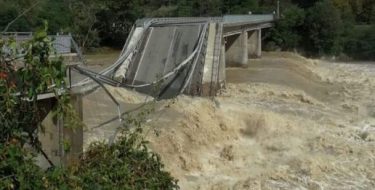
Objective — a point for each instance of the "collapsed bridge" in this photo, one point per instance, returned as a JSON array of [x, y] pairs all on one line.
[[162, 57], [183, 55]]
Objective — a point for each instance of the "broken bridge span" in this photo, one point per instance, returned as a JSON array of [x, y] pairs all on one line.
[[183, 55]]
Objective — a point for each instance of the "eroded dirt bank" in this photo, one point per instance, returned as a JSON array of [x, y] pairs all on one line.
[[285, 122]]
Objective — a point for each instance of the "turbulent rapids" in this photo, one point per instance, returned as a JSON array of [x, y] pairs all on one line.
[[283, 122]]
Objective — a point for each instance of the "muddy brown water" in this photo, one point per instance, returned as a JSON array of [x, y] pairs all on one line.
[[280, 72]]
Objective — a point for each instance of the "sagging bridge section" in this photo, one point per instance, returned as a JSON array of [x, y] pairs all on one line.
[[188, 55]]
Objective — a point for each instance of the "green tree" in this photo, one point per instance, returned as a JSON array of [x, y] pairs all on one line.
[[210, 8], [287, 32], [366, 11], [346, 11], [323, 27], [26, 13], [58, 15], [84, 19], [305, 3], [360, 42], [240, 6], [116, 20], [363, 10], [184, 8]]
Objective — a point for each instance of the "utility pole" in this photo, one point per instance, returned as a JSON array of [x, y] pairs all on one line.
[[278, 9]]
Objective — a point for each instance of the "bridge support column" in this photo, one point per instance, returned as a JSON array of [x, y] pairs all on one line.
[[62, 145], [222, 74], [74, 136], [255, 43], [237, 49]]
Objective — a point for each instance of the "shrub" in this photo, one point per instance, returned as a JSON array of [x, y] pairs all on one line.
[[127, 164]]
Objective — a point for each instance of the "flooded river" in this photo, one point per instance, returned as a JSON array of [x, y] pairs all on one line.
[[283, 122]]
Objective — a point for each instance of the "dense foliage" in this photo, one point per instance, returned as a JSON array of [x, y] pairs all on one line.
[[315, 27], [28, 70], [326, 27], [323, 29], [360, 43], [127, 164]]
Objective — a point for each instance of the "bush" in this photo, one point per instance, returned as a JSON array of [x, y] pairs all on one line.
[[127, 164]]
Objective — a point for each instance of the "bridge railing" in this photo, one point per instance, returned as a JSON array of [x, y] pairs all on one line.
[[61, 42], [248, 19], [226, 19]]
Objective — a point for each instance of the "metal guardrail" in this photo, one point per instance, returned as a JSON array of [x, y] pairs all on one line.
[[226, 19], [62, 43], [248, 19]]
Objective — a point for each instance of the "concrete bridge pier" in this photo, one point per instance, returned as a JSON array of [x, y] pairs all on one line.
[[63, 145], [254, 43], [236, 48], [240, 47]]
